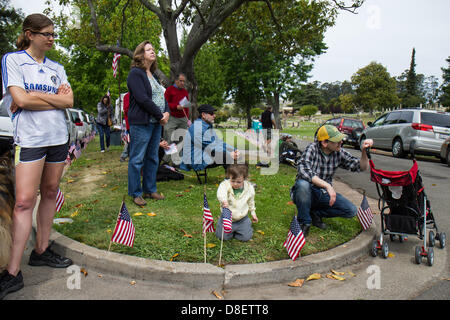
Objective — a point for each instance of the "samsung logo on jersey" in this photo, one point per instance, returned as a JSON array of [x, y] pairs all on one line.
[[40, 87]]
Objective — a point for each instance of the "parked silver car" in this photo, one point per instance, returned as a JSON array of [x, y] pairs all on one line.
[[71, 127], [414, 131]]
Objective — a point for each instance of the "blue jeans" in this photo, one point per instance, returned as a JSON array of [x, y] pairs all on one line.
[[104, 131], [144, 145], [311, 199]]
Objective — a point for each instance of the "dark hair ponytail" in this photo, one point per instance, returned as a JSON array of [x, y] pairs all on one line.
[[34, 22]]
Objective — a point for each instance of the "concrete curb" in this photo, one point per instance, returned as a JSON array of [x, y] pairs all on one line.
[[200, 275]]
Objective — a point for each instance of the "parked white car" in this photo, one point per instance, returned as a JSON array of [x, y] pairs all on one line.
[[80, 124], [6, 130]]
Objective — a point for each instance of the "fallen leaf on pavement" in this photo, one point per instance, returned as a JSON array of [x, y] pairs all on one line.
[[314, 276], [338, 273], [297, 283], [133, 282], [351, 273], [391, 255], [333, 276], [174, 256], [83, 271], [218, 296]]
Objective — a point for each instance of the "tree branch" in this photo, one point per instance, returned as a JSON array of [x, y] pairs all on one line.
[[356, 5]]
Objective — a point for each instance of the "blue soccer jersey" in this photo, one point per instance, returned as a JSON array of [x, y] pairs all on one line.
[[34, 128]]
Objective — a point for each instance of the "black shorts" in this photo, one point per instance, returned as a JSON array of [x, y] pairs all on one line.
[[52, 154]]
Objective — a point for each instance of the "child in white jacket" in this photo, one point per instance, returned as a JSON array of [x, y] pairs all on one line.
[[237, 194]]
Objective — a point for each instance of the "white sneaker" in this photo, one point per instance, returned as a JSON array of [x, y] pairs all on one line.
[[102, 151]]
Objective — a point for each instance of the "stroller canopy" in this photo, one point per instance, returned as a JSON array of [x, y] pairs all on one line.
[[393, 178]]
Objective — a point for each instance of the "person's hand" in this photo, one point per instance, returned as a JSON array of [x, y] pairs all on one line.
[[164, 144], [254, 218], [225, 204], [14, 107], [179, 107], [235, 154], [332, 194], [368, 143], [64, 89], [164, 119]]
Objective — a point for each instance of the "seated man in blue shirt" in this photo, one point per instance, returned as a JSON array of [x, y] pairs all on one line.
[[202, 147], [313, 192]]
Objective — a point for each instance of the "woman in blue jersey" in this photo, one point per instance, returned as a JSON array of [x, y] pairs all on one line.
[[38, 91]]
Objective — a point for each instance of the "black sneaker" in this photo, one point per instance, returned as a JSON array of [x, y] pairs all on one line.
[[49, 258], [9, 283], [317, 222], [305, 229]]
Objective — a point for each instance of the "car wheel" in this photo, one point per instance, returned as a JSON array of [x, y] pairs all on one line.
[[355, 134], [448, 157], [397, 148]]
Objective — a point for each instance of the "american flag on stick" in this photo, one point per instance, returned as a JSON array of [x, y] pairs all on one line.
[[365, 215], [59, 200], [226, 220], [115, 63], [295, 240], [124, 231], [208, 221]]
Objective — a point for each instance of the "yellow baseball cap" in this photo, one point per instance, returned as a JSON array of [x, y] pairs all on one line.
[[329, 132]]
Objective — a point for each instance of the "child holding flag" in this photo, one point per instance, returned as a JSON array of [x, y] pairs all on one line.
[[238, 196]]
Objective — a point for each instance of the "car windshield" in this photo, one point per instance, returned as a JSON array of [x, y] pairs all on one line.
[[436, 119]]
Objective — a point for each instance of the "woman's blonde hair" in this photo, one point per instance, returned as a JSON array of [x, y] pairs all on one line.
[[35, 23], [138, 57]]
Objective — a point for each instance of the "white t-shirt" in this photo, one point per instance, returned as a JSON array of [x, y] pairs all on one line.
[[34, 128]]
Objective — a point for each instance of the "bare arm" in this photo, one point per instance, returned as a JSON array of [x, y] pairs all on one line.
[[38, 101]]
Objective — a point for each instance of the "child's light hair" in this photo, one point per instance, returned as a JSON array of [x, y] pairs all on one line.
[[235, 171]]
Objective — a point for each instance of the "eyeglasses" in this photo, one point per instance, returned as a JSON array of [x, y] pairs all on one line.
[[48, 35]]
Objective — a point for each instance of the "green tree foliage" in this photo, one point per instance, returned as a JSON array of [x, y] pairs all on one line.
[[444, 99], [308, 111], [10, 26], [375, 88]]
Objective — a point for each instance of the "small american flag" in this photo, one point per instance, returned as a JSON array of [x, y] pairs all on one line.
[[208, 221], [124, 231], [115, 63], [59, 200], [226, 220], [295, 240], [77, 150], [365, 215]]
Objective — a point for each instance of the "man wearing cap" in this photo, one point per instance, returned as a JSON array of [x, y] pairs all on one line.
[[202, 147], [313, 192]]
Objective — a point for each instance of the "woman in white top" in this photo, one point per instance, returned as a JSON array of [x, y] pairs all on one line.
[[38, 91]]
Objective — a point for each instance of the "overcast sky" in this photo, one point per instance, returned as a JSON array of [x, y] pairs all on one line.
[[384, 31]]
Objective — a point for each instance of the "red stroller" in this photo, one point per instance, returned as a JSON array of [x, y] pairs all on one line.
[[405, 210]]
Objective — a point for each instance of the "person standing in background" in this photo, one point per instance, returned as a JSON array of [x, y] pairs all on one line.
[[103, 122]]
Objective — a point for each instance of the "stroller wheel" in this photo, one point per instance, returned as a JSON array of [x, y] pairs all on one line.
[[431, 239], [418, 256], [374, 248], [392, 237], [442, 239], [430, 256], [385, 250]]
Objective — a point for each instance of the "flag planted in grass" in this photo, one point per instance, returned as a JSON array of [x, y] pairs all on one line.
[[124, 231], [208, 221], [59, 200], [365, 215], [226, 220], [295, 240]]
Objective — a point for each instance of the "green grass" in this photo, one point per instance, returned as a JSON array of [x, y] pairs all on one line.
[[96, 184]]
